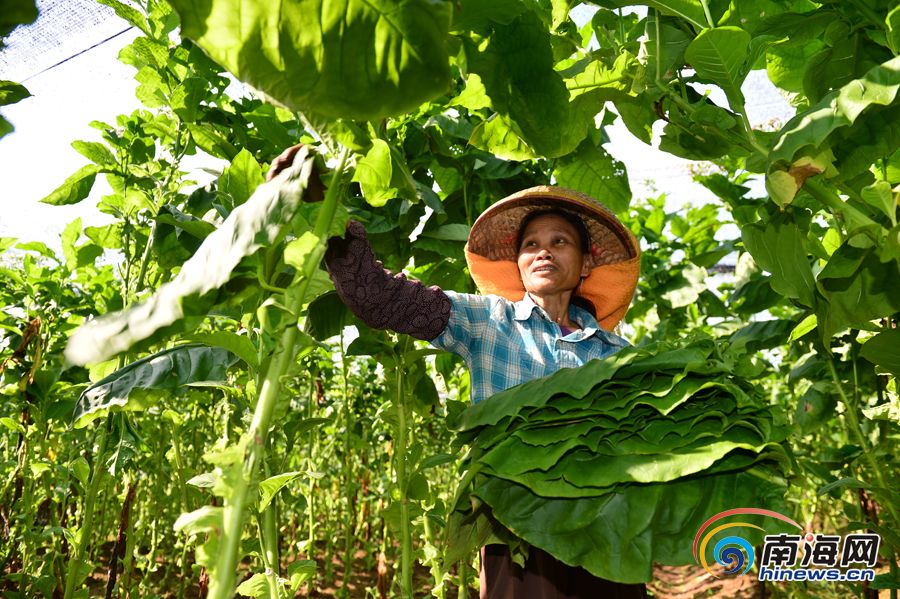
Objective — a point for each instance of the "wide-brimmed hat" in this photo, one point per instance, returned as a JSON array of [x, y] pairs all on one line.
[[491, 250]]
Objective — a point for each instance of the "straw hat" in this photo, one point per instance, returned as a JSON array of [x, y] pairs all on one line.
[[491, 250]]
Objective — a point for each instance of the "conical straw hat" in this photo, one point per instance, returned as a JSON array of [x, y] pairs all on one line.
[[491, 250]]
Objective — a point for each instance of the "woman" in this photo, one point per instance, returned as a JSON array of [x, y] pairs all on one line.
[[557, 271]]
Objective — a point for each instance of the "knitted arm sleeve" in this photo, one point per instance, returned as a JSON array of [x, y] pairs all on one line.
[[380, 299]]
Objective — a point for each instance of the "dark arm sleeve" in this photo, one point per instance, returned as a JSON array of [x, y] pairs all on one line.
[[380, 299]]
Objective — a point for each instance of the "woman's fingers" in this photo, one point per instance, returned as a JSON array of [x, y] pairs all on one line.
[[284, 160]]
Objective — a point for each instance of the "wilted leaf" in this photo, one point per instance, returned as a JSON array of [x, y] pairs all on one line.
[[164, 371], [253, 225]]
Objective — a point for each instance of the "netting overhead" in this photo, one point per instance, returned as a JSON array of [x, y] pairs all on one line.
[[63, 29]]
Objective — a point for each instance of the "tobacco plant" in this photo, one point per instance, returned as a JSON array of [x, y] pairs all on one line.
[[210, 425]]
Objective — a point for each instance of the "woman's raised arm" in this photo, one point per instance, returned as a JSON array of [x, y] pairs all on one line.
[[380, 299]]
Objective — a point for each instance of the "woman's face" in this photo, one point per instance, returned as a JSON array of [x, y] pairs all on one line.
[[550, 259]]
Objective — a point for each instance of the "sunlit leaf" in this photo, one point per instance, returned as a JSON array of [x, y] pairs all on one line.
[[270, 487], [348, 58], [717, 55]]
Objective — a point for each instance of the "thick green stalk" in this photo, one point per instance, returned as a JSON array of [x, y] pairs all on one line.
[[87, 519], [463, 580], [437, 570], [268, 527], [706, 12], [266, 554], [400, 466], [852, 218], [27, 501], [222, 586]]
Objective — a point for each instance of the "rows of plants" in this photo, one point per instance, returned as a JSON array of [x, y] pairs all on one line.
[[185, 408]]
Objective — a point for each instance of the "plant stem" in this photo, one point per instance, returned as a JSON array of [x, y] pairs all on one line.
[[269, 529], [87, 519], [347, 474], [221, 586], [706, 12], [182, 484], [847, 214], [400, 465]]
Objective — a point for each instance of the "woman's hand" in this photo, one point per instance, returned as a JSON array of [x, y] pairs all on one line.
[[316, 190]]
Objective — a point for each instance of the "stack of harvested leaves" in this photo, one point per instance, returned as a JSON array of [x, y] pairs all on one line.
[[616, 465]]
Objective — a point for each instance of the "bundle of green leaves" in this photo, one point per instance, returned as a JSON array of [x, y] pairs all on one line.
[[616, 465]]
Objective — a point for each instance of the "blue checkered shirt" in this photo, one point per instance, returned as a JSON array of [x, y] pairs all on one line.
[[506, 343]]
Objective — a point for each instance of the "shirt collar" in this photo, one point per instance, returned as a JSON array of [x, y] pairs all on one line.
[[526, 306]]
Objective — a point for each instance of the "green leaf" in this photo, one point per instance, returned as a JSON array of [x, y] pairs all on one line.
[[241, 178], [893, 22], [68, 238], [516, 67], [689, 10], [96, 152], [207, 480], [298, 251], [186, 98], [593, 171], [374, 173], [12, 425], [351, 58], [880, 196], [718, 55], [449, 232], [664, 47], [805, 326], [255, 586], [327, 316], [270, 487], [498, 136], [778, 248], [133, 387], [15, 13], [255, 224], [858, 287], [476, 14], [205, 519], [212, 141], [884, 350], [130, 14], [557, 459], [843, 483], [300, 571], [889, 410], [76, 188], [838, 109], [239, 345], [11, 92]]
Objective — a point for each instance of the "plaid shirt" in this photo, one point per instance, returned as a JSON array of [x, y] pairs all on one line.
[[506, 343]]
